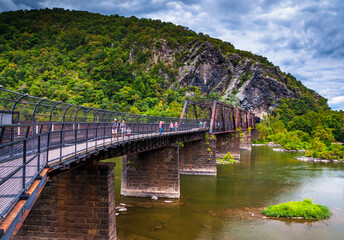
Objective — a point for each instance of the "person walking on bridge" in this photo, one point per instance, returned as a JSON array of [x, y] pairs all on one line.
[[161, 124], [114, 128], [176, 126], [122, 126], [171, 126]]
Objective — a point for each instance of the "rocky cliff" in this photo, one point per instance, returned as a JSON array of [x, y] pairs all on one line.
[[257, 87]]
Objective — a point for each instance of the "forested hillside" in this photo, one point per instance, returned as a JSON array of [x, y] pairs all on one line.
[[129, 64], [149, 67]]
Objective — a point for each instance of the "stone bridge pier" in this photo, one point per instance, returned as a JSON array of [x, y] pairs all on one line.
[[78, 204], [245, 140], [156, 172], [198, 157], [152, 173], [228, 142]]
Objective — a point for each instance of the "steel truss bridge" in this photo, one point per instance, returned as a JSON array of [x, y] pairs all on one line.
[[38, 135]]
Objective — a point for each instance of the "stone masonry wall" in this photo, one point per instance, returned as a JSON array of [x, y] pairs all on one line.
[[254, 134], [199, 157], [152, 173], [245, 140], [80, 204], [228, 142]]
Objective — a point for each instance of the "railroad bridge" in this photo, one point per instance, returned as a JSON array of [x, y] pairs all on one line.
[[53, 184]]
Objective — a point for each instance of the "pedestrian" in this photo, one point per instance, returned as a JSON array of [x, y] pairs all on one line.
[[171, 126], [114, 128], [161, 123], [200, 124], [176, 126], [128, 131], [205, 124], [122, 126]]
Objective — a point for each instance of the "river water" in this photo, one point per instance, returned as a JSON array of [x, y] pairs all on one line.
[[227, 206]]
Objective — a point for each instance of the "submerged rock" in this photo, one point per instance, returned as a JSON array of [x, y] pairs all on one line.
[[158, 227], [286, 150], [123, 209], [271, 144], [154, 198]]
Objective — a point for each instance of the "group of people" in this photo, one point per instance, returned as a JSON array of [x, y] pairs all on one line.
[[172, 126], [202, 124], [121, 127]]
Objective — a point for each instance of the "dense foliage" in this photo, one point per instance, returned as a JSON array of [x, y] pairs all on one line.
[[305, 209], [103, 61], [305, 124]]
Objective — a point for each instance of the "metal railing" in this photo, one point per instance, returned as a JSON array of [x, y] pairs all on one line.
[[36, 133], [26, 149]]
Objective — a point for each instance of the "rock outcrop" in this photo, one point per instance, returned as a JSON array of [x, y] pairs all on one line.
[[257, 86]]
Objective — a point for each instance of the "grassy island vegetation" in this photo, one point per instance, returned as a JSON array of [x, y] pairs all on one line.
[[305, 124], [305, 209], [227, 159]]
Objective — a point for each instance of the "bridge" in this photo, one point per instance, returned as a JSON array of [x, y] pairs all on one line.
[[53, 183]]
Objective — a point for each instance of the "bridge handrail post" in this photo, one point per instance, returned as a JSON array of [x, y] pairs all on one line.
[[24, 155], [39, 149], [87, 124], [61, 140], [104, 134], [96, 143], [48, 140], [76, 125]]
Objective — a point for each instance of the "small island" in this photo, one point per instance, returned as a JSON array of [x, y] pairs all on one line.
[[298, 210], [228, 158]]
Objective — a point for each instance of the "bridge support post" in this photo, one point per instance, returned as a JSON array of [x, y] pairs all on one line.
[[199, 157], [254, 134], [80, 204], [246, 140], [152, 173], [228, 142]]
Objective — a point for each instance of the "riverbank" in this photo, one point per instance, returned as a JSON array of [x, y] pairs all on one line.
[[311, 159], [269, 144], [277, 148]]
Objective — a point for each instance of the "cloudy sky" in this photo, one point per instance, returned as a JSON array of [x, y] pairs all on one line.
[[304, 38]]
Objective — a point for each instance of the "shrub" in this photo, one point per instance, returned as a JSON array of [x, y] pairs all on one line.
[[227, 158], [306, 209]]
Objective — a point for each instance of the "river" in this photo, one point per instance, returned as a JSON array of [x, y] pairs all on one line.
[[227, 206]]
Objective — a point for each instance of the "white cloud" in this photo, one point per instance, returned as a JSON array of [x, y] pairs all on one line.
[[337, 100]]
